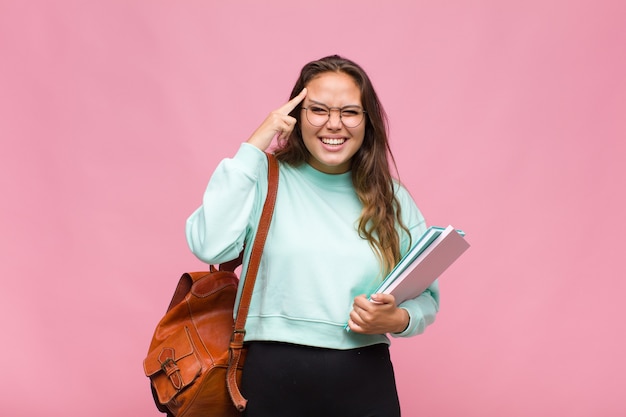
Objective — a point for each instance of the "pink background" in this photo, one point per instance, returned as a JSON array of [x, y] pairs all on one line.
[[507, 120]]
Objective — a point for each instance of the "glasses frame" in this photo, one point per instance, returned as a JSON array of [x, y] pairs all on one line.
[[330, 109]]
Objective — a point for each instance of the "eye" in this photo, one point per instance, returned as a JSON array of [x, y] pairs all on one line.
[[350, 112], [318, 110]]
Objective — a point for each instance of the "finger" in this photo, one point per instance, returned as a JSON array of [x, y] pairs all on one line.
[[383, 299], [293, 103], [354, 316], [356, 313], [362, 302], [354, 327], [355, 322], [361, 317], [360, 299], [286, 129], [284, 135]]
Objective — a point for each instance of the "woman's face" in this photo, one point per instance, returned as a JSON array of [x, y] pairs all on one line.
[[332, 145]]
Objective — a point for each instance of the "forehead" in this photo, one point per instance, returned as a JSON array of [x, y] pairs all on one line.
[[334, 89]]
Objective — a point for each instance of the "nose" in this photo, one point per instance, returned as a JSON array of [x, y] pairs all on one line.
[[334, 119]]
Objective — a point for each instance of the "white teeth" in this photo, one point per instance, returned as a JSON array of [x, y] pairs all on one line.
[[331, 141]]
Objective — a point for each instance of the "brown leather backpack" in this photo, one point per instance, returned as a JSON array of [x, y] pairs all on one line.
[[197, 353]]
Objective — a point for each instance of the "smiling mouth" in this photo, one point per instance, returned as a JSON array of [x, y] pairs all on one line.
[[333, 141]]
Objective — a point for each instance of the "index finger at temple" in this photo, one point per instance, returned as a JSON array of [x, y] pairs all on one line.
[[293, 103]]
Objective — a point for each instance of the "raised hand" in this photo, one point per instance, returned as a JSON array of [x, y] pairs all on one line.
[[278, 123]]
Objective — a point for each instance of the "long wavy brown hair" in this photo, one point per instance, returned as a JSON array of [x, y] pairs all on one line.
[[371, 175]]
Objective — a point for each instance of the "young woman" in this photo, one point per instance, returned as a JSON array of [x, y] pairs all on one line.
[[340, 225]]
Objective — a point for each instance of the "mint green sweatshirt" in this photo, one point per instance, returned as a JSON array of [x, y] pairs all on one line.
[[314, 263]]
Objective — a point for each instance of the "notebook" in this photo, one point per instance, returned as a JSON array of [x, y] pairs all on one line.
[[432, 254]]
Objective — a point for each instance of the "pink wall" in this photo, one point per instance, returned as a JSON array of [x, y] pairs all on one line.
[[507, 119]]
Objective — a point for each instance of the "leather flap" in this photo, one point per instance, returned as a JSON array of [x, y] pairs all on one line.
[[172, 365]]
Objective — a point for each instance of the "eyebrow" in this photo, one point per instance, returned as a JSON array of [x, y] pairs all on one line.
[[327, 106]]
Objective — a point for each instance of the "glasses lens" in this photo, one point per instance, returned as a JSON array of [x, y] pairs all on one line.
[[351, 117], [317, 116]]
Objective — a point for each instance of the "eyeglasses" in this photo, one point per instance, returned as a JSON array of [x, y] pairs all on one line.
[[318, 115]]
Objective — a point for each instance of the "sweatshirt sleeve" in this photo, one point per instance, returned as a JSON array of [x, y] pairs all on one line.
[[422, 311], [423, 308], [217, 230]]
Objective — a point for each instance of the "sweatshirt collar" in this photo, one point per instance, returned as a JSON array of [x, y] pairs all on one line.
[[326, 180]]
